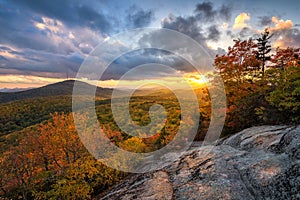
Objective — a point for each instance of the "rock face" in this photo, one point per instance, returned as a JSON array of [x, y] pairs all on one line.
[[257, 163]]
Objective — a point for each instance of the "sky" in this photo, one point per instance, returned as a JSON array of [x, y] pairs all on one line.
[[43, 42]]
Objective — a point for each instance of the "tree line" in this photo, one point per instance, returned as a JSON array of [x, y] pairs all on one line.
[[262, 84]]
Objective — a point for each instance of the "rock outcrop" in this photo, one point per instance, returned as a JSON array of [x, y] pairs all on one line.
[[257, 163]]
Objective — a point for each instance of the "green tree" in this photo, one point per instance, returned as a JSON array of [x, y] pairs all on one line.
[[286, 96], [264, 48]]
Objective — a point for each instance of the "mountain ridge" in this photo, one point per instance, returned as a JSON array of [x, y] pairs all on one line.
[[55, 89]]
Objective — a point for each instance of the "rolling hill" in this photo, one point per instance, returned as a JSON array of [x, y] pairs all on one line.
[[56, 89], [19, 110]]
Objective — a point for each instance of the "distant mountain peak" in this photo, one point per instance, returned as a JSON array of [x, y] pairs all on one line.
[[55, 89]]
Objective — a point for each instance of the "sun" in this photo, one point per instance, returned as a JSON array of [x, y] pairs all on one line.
[[200, 80], [197, 80]]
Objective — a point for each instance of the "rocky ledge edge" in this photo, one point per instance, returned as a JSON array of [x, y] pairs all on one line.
[[256, 163]]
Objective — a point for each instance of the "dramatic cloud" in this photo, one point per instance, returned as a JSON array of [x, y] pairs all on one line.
[[285, 33], [241, 21], [288, 38], [265, 21], [49, 48], [42, 46], [225, 12], [138, 18], [184, 47], [188, 26], [245, 33], [281, 24], [205, 12], [73, 12], [130, 60], [52, 38], [37, 32], [213, 33], [32, 62], [206, 25], [230, 34], [202, 26]]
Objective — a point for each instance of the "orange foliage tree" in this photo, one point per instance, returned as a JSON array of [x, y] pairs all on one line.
[[50, 162], [240, 70], [284, 58]]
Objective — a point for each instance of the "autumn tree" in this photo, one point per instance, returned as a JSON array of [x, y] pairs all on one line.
[[252, 100], [240, 63], [50, 162], [286, 57], [245, 90], [264, 48]]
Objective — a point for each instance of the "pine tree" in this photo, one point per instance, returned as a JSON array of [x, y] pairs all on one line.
[[264, 48]]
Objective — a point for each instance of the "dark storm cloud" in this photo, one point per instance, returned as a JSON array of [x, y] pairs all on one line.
[[230, 33], [195, 25], [213, 33], [225, 12], [48, 50], [35, 62], [3, 58], [265, 20], [72, 12], [145, 56], [67, 32], [206, 12], [188, 26], [19, 31], [289, 37], [196, 51], [40, 50], [93, 19], [4, 48], [293, 37], [137, 17], [245, 32], [198, 27]]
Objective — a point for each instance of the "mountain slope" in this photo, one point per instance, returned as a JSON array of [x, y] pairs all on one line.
[[56, 89], [19, 110]]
